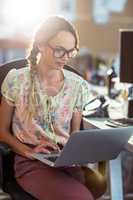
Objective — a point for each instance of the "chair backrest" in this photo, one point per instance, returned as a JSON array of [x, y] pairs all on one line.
[[5, 68]]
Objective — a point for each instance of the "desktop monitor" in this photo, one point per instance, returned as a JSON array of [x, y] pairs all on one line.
[[126, 56], [126, 61]]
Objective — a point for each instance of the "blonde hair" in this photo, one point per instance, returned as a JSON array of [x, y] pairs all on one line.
[[46, 31]]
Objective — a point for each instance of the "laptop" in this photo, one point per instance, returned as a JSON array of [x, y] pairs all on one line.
[[89, 146]]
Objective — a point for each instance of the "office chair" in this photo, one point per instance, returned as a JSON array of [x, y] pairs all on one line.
[[95, 179]]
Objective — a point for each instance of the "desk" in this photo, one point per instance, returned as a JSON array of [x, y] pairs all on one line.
[[115, 170]]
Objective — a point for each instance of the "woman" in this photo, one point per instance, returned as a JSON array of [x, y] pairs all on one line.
[[45, 104]]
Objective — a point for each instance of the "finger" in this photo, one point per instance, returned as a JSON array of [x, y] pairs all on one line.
[[53, 146], [41, 150], [47, 147]]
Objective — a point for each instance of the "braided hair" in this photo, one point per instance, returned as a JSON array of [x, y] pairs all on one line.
[[46, 31]]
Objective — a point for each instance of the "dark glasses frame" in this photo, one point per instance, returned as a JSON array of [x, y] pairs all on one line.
[[70, 53]]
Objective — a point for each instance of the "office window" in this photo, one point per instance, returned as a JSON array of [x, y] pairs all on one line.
[[7, 55], [103, 8], [67, 8]]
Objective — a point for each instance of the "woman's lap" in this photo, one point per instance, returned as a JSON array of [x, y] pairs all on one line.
[[49, 183]]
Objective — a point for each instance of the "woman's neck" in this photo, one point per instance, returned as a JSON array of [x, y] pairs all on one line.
[[42, 69], [47, 73], [51, 79]]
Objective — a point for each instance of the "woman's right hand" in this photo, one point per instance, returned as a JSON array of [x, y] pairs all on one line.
[[45, 147]]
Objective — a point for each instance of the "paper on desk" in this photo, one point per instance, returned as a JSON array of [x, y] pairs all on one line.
[[93, 105], [130, 141], [117, 109]]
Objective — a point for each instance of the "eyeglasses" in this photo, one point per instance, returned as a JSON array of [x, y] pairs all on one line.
[[59, 52]]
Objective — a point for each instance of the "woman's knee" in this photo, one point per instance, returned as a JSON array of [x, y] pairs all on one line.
[[82, 193], [78, 191]]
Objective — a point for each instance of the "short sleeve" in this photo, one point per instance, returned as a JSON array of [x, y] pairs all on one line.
[[9, 88], [83, 96]]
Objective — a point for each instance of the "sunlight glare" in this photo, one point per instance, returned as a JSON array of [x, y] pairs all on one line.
[[23, 13]]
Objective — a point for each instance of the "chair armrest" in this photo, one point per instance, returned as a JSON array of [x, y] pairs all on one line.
[[1, 169], [4, 151]]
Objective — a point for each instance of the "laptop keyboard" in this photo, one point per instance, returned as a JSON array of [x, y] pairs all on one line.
[[46, 158], [52, 159]]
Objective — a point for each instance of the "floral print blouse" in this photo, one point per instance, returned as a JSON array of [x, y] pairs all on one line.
[[72, 97]]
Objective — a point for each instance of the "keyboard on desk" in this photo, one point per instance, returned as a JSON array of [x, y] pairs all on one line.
[[123, 122]]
